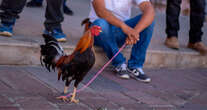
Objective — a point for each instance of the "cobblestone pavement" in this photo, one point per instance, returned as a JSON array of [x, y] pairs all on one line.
[[33, 88]]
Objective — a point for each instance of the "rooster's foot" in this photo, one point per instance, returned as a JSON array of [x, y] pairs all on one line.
[[74, 100], [63, 98]]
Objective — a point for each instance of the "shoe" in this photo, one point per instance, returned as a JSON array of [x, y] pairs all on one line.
[[33, 3], [57, 34], [172, 42], [121, 71], [6, 30], [198, 46], [139, 74], [67, 10]]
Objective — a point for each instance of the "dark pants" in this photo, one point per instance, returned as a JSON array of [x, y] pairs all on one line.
[[197, 15], [40, 1], [54, 12]]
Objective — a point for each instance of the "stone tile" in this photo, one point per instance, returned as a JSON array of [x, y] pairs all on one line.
[[201, 100], [169, 97], [9, 108], [191, 106], [72, 107], [34, 103], [4, 86], [149, 99], [136, 106], [87, 94], [97, 102], [117, 98], [4, 101]]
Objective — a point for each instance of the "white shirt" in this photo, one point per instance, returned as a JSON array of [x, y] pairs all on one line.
[[120, 8]]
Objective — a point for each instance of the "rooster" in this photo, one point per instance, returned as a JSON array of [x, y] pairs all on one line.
[[74, 66]]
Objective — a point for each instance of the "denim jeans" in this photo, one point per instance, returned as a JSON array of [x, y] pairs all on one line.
[[112, 37]]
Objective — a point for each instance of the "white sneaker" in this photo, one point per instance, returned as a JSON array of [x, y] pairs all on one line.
[[121, 71], [139, 74]]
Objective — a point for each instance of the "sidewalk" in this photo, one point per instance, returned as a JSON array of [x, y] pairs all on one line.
[[33, 88], [23, 47]]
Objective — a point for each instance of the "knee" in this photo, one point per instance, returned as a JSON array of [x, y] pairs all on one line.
[[150, 27], [147, 32], [103, 24]]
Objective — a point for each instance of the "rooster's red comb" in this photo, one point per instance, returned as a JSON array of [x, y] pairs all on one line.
[[95, 30]]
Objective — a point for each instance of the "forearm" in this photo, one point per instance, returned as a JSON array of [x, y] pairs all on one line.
[[146, 19]]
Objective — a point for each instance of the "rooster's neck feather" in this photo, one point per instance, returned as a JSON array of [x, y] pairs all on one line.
[[85, 42]]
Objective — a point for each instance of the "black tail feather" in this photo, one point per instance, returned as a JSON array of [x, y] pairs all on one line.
[[48, 52]]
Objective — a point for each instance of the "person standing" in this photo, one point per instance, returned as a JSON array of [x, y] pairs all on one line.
[[54, 16], [197, 16]]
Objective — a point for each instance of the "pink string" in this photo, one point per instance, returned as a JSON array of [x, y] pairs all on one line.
[[99, 72]]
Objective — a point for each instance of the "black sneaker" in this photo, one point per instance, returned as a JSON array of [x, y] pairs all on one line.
[[67, 10], [122, 72], [138, 74], [33, 3]]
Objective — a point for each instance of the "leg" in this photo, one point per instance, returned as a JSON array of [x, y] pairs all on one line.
[[139, 49], [67, 83], [108, 41], [35, 3], [172, 14], [197, 16], [77, 81], [66, 9], [72, 99], [172, 23], [64, 3], [11, 9], [54, 17], [54, 14]]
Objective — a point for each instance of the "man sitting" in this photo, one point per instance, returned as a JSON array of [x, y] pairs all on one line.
[[113, 16]]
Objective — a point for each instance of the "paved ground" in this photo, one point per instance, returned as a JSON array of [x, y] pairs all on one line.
[[33, 88], [28, 30]]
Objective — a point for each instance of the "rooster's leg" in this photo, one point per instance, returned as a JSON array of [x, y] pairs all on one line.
[[67, 83], [65, 99], [72, 99], [65, 89]]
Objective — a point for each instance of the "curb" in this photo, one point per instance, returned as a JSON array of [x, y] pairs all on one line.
[[29, 54]]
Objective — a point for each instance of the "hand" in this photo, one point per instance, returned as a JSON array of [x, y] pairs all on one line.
[[133, 36]]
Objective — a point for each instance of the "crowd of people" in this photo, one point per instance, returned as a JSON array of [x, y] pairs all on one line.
[[118, 28]]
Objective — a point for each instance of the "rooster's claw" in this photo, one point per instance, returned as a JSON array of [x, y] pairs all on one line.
[[63, 98]]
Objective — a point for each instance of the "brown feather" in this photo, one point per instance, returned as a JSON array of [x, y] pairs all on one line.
[[85, 42]]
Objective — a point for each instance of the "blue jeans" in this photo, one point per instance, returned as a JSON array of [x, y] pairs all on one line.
[[112, 37]]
